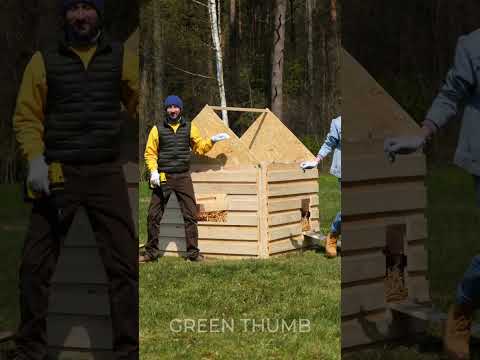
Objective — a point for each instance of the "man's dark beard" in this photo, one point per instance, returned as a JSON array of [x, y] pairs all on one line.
[[75, 39]]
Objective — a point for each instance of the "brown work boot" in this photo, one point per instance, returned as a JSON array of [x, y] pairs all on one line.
[[146, 258], [331, 245], [456, 338]]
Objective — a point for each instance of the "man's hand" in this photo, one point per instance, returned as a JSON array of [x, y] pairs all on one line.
[[403, 145], [219, 137], [309, 165], [37, 177], [155, 179]]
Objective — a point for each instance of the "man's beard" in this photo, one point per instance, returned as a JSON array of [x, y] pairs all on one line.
[[77, 39]]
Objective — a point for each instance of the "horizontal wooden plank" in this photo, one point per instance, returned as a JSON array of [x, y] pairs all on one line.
[[418, 288], [361, 298], [229, 108], [221, 232], [214, 256], [236, 219], [212, 202], [362, 267], [417, 258], [293, 188], [79, 265], [79, 300], [416, 228], [363, 236], [248, 175], [366, 330], [74, 354], [291, 175], [296, 242], [383, 198], [79, 331], [242, 202], [378, 166], [285, 217], [226, 188], [285, 231], [231, 247], [291, 202]]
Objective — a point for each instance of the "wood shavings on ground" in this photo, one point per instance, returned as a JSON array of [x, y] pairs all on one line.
[[394, 285], [212, 216], [306, 224]]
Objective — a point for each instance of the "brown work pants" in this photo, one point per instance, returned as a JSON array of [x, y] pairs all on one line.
[[101, 189], [181, 184]]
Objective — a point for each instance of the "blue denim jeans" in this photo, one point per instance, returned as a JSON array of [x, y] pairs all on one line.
[[336, 227], [469, 288]]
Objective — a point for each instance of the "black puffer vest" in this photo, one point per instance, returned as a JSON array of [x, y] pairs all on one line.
[[174, 148], [83, 105]]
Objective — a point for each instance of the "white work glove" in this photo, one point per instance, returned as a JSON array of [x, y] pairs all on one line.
[[155, 179], [37, 177], [403, 145], [219, 137], [309, 165]]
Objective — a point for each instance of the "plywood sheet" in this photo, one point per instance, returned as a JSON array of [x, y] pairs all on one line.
[[270, 140], [369, 111], [224, 154]]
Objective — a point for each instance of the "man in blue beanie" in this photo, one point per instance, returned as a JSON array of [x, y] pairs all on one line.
[[68, 114], [167, 156]]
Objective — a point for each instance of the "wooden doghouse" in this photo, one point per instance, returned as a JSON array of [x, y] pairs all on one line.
[[79, 323], [252, 205], [383, 212]]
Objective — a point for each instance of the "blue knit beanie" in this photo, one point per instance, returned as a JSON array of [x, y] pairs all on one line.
[[173, 100], [99, 5]]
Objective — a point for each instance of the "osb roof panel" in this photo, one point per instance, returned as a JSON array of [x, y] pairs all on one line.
[[270, 140], [369, 112], [228, 153]]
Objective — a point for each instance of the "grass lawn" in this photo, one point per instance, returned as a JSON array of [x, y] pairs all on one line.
[[13, 221], [289, 288], [453, 228]]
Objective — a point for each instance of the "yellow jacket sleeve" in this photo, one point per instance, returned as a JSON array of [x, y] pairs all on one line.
[[130, 82], [151, 150], [28, 118], [199, 145]]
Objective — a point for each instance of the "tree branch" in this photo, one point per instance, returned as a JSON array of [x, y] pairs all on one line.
[[189, 73]]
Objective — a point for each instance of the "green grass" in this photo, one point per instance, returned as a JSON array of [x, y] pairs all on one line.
[[299, 286], [13, 221]]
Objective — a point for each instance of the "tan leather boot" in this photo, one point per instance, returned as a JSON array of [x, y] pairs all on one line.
[[331, 245], [456, 338]]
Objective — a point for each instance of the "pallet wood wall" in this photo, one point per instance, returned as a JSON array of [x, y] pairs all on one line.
[[381, 202]]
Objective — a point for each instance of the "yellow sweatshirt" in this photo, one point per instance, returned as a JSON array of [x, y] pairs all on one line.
[[29, 115], [199, 146]]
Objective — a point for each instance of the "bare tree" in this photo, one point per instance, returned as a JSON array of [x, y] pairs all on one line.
[[212, 11], [278, 56], [151, 66]]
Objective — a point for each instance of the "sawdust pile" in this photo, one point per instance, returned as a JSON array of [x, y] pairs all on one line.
[[212, 216], [395, 289]]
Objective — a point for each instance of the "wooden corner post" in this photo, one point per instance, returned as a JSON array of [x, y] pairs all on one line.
[[263, 233]]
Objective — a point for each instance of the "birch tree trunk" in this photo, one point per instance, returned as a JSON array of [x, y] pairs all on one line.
[[212, 11], [278, 57]]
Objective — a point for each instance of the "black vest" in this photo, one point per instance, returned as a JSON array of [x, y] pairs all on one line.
[[174, 148], [82, 122]]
